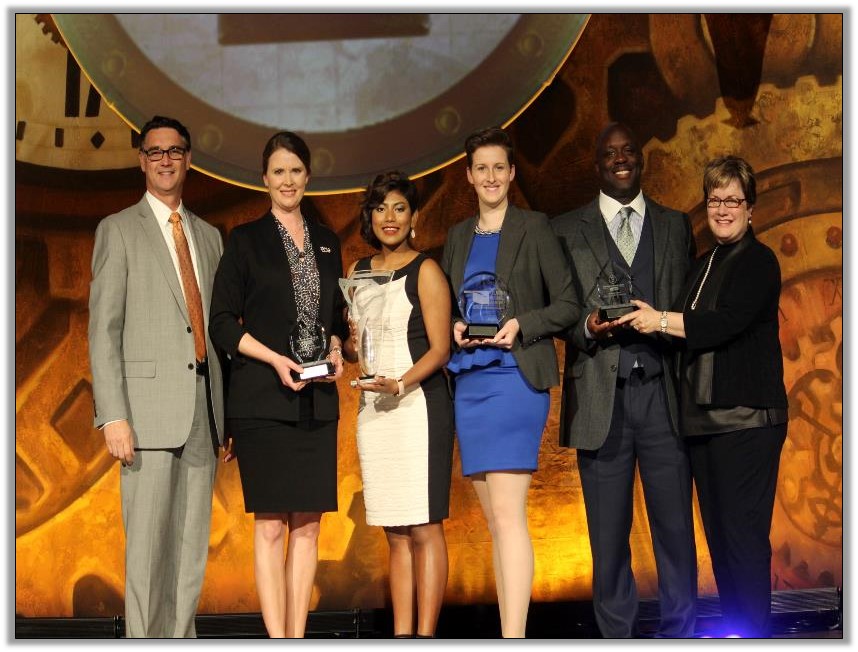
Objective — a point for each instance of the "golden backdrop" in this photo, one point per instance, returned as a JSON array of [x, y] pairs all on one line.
[[765, 87]]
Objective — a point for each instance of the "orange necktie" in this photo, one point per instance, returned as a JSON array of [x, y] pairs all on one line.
[[189, 284]]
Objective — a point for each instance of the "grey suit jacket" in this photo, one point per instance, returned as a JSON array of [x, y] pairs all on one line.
[[590, 374], [531, 261], [141, 347]]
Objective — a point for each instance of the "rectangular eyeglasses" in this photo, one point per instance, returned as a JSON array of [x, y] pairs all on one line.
[[156, 153], [729, 202]]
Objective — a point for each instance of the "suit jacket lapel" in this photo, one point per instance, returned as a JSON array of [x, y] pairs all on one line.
[[593, 231], [660, 239], [155, 239], [511, 236], [460, 255], [274, 244]]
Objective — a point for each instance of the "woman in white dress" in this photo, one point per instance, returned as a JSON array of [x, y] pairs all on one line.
[[405, 418]]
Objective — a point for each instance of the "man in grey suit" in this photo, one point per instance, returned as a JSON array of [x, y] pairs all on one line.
[[619, 404], [157, 383]]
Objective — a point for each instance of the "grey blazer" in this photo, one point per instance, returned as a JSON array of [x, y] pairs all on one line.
[[590, 375], [531, 261], [141, 347]]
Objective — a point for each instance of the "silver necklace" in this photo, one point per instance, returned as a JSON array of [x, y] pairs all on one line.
[[705, 276], [480, 231]]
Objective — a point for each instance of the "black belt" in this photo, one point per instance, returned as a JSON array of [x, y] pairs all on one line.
[[203, 367]]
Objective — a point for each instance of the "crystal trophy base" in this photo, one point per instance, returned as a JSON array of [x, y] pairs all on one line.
[[318, 369], [480, 331], [615, 311]]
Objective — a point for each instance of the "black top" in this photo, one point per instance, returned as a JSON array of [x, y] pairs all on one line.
[[253, 294], [737, 319]]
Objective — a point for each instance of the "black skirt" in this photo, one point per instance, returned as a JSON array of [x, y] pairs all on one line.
[[286, 466]]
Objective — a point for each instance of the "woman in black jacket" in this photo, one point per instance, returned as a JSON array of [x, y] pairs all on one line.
[[277, 280], [733, 405]]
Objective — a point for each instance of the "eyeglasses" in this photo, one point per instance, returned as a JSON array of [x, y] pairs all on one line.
[[730, 202], [156, 153]]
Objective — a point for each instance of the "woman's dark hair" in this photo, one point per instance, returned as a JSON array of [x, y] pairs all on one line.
[[487, 137], [375, 193], [721, 171], [289, 141], [162, 122]]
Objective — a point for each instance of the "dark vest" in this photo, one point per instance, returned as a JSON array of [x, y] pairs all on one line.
[[636, 346]]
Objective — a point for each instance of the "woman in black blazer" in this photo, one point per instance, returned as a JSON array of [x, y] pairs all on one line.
[[278, 275], [733, 405], [502, 383]]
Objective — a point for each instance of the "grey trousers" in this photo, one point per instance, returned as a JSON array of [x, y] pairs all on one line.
[[166, 511]]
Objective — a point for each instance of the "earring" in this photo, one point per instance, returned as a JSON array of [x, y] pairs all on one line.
[[413, 235], [749, 222]]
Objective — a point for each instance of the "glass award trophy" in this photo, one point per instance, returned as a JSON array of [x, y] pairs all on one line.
[[309, 343], [614, 297], [366, 292], [484, 302]]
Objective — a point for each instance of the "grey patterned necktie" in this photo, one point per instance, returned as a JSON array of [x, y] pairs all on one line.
[[625, 237]]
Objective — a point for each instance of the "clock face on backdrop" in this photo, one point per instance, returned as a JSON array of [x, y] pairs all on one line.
[[368, 92], [61, 121]]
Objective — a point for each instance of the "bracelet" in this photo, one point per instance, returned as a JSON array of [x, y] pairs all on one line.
[[401, 387], [662, 323]]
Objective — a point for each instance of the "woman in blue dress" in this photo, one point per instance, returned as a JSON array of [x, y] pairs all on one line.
[[502, 381]]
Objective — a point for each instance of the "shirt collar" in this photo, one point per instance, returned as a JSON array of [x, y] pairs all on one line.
[[610, 206], [162, 211]]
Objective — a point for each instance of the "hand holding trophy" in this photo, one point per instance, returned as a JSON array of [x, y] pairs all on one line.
[[484, 302], [309, 342], [365, 292]]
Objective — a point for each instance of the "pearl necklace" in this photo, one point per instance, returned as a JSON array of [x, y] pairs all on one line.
[[705, 276]]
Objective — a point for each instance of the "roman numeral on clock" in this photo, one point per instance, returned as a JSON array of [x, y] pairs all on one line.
[[73, 92]]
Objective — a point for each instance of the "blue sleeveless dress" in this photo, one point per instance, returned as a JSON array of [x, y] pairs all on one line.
[[499, 415]]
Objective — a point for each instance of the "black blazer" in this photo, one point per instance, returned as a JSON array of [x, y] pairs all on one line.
[[741, 329], [531, 261], [253, 294]]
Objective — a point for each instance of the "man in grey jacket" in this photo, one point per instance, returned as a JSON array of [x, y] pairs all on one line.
[[619, 405], [157, 383]]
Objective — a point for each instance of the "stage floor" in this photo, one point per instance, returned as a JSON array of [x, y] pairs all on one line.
[[811, 613]]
